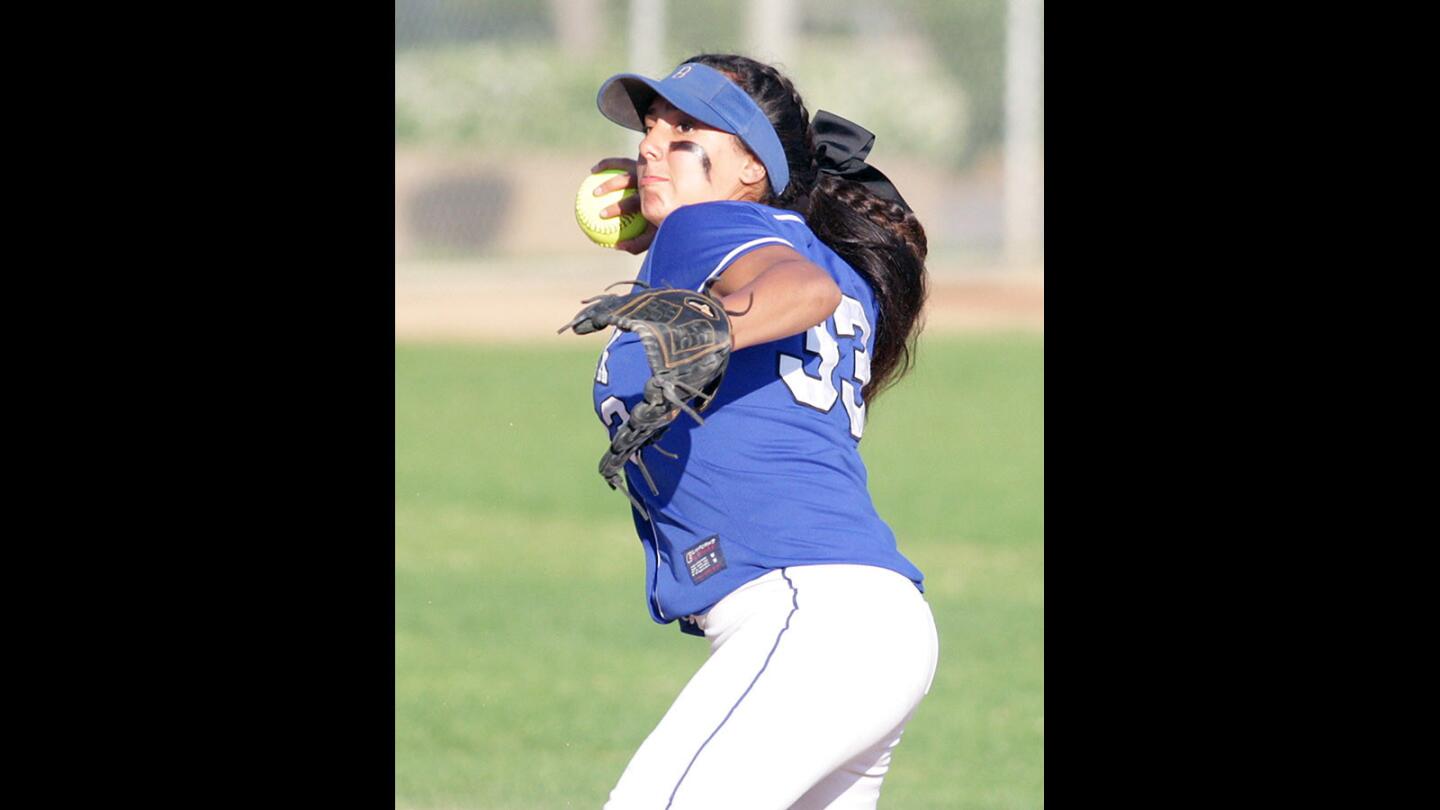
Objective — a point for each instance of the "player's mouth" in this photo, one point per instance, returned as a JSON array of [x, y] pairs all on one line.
[[651, 179]]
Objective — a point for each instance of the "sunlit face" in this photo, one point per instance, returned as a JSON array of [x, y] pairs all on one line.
[[683, 161]]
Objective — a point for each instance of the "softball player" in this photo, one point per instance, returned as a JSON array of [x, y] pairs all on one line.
[[763, 537]]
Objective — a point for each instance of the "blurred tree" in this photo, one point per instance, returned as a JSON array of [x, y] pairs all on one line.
[[579, 25], [705, 28], [969, 37], [426, 22]]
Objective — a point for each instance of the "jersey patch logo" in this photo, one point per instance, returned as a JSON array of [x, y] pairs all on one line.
[[705, 560]]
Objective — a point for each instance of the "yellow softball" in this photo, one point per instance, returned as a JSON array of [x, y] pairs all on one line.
[[605, 232]]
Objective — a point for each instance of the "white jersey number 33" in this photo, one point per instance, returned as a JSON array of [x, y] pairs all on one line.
[[819, 392]]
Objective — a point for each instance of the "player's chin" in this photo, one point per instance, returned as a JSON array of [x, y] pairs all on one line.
[[654, 207]]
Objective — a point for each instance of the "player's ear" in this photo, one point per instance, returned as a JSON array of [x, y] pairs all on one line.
[[752, 171]]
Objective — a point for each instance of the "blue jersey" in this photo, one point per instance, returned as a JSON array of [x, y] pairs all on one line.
[[774, 477]]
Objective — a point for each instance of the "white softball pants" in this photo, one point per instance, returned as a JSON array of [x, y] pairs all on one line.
[[813, 672]]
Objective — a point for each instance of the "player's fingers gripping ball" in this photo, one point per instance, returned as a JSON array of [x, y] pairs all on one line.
[[605, 232]]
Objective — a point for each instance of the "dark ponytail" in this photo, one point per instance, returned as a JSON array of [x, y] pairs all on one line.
[[882, 240]]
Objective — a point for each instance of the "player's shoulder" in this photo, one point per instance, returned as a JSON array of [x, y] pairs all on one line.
[[731, 215]]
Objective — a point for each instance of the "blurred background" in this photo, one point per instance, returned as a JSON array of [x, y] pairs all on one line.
[[527, 670], [496, 125]]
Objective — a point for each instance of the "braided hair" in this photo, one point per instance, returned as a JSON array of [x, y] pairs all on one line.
[[882, 240]]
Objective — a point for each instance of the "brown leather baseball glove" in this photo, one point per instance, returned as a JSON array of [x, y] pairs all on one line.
[[686, 335]]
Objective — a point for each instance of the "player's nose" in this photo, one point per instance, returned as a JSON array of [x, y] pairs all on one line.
[[654, 144]]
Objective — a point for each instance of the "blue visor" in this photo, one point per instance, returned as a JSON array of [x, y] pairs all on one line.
[[708, 96]]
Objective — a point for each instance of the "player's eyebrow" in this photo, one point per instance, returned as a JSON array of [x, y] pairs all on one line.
[[658, 107]]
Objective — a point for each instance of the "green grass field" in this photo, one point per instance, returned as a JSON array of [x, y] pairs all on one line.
[[527, 669]]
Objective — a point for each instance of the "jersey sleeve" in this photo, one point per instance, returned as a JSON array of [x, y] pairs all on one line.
[[697, 242]]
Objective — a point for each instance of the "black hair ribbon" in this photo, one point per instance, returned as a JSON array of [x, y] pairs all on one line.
[[840, 149]]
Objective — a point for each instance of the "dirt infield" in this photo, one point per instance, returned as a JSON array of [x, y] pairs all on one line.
[[497, 302]]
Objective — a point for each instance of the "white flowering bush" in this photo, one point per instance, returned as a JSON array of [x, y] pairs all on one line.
[[893, 87], [520, 96]]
